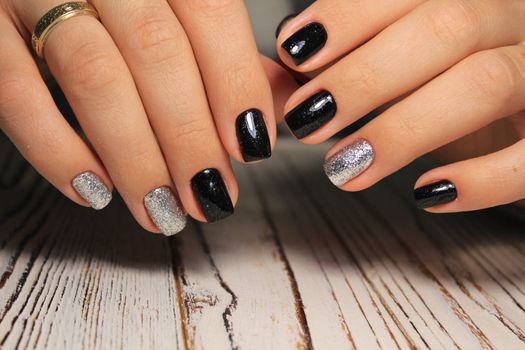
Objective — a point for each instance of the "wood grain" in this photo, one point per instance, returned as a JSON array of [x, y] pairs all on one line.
[[301, 265]]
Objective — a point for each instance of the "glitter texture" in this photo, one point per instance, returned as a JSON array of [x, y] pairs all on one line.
[[306, 42], [92, 189], [253, 136], [311, 114], [55, 13], [165, 211], [212, 195], [349, 162]]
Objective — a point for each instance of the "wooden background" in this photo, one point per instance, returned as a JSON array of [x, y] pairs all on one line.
[[301, 265]]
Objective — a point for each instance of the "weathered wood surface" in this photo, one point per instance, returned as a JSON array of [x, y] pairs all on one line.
[[300, 265]]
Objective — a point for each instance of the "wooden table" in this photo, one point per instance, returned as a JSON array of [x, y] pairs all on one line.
[[301, 265]]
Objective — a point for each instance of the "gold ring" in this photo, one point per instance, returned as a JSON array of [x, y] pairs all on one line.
[[54, 17]]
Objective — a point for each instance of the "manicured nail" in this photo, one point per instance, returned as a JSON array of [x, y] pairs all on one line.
[[437, 193], [349, 162], [212, 195], [283, 23], [306, 42], [312, 114], [253, 136], [92, 189], [165, 211]]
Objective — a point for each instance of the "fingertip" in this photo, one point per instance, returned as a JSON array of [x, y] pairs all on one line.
[[283, 23], [212, 195], [143, 218], [435, 195], [255, 132]]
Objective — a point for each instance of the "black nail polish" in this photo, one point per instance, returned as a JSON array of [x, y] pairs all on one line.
[[437, 193], [283, 22], [211, 194], [311, 114], [305, 42], [253, 136]]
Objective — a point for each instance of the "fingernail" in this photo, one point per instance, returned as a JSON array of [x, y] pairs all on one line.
[[349, 162], [283, 23], [212, 195], [306, 42], [165, 211], [436, 193], [312, 114], [90, 187], [253, 136]]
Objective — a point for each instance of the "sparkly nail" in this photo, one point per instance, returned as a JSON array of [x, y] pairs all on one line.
[[212, 195], [306, 42], [165, 211], [311, 114], [92, 189], [349, 162], [253, 136]]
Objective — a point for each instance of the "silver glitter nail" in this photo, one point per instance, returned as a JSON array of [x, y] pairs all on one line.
[[349, 162], [92, 189], [165, 211]]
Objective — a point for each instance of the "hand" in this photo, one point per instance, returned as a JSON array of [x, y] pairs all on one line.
[[445, 68], [161, 90]]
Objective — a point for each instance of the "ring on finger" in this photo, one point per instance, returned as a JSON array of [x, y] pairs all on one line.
[[56, 16]]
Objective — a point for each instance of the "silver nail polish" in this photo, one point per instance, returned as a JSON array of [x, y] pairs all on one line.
[[92, 189], [165, 211], [349, 162]]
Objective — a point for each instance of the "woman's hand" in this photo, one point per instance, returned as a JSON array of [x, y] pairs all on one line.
[[445, 67], [164, 90]]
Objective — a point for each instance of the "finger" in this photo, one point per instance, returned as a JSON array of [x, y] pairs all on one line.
[[482, 88], [161, 60], [96, 81], [484, 182], [238, 90], [282, 84], [435, 36], [31, 120], [492, 138], [329, 29]]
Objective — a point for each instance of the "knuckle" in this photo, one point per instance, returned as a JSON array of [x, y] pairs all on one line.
[[241, 77], [212, 7], [15, 89], [412, 129], [363, 74], [137, 153], [14, 85], [190, 129], [495, 74], [455, 21], [155, 37], [499, 177], [95, 68]]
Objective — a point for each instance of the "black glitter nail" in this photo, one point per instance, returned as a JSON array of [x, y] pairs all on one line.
[[305, 42], [211, 194], [312, 114], [282, 23], [437, 193], [253, 136]]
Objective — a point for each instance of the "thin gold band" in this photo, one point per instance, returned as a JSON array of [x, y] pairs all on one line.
[[54, 17]]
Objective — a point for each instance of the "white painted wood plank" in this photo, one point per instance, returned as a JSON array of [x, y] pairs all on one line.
[[300, 265]]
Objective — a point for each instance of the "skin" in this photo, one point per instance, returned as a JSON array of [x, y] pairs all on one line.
[[156, 94], [446, 69]]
